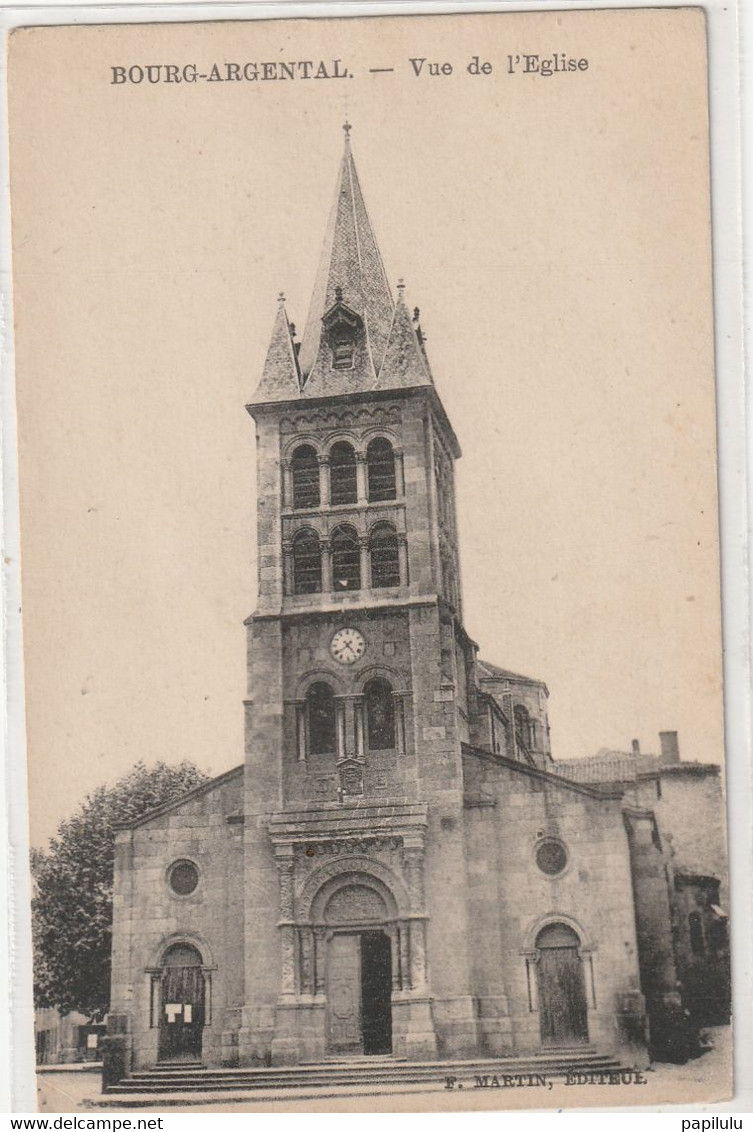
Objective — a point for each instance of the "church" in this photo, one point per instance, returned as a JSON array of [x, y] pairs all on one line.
[[400, 867]]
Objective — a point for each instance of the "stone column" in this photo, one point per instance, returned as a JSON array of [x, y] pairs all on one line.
[[399, 471], [399, 722], [323, 480], [363, 545], [284, 861], [306, 943], [360, 744], [326, 549], [402, 554], [340, 736], [288, 576], [418, 956], [394, 934], [532, 978], [286, 478], [300, 729], [361, 477], [404, 943], [320, 960], [413, 857]]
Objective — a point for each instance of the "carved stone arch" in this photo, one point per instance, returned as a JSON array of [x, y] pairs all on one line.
[[382, 672], [387, 518], [380, 430], [340, 436], [321, 884], [298, 440], [319, 675], [354, 520], [306, 523], [188, 939], [538, 925]]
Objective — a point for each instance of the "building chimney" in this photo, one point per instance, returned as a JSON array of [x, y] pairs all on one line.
[[636, 747], [670, 748]]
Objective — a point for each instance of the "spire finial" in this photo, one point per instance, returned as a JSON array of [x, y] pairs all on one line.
[[347, 128], [401, 290], [281, 298]]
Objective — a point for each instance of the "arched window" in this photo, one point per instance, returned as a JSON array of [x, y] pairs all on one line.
[[697, 942], [342, 474], [305, 477], [307, 563], [320, 704], [385, 559], [522, 727], [380, 715], [346, 559], [380, 460], [181, 955]]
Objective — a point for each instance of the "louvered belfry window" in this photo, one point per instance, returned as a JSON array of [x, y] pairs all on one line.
[[305, 477], [380, 715], [380, 460], [346, 560], [342, 473], [307, 563], [385, 559], [320, 701]]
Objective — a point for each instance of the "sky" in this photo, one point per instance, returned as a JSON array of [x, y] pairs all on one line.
[[554, 233]]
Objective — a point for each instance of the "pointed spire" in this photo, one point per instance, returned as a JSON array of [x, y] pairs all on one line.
[[404, 365], [280, 379], [351, 261]]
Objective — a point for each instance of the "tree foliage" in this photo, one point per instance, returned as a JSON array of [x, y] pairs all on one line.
[[72, 901]]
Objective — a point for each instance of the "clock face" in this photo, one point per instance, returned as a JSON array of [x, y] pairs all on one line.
[[347, 646]]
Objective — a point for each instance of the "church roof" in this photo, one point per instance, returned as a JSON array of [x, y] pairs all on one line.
[[280, 379], [624, 766], [351, 287], [489, 671]]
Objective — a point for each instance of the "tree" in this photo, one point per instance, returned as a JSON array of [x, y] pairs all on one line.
[[72, 901]]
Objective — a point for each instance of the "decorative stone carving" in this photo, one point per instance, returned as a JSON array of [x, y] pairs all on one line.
[[306, 945], [284, 857], [413, 864], [351, 777], [356, 904]]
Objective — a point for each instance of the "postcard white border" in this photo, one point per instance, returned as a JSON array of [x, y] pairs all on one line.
[[730, 37]]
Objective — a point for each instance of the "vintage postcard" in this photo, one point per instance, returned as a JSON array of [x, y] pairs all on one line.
[[366, 417]]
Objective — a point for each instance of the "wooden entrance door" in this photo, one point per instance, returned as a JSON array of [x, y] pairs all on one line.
[[376, 992], [563, 1011], [344, 994], [181, 1022]]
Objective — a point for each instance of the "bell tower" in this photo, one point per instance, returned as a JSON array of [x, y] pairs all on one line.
[[359, 675]]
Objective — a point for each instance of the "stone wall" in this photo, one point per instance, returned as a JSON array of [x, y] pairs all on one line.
[[148, 916], [509, 812]]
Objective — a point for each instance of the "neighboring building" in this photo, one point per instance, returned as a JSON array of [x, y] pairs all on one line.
[[688, 803], [399, 865], [62, 1038]]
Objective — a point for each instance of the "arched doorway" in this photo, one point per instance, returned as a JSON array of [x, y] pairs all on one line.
[[182, 996], [359, 972], [563, 1011]]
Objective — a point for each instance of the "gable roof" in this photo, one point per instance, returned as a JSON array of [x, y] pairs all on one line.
[[167, 807], [488, 671], [623, 766]]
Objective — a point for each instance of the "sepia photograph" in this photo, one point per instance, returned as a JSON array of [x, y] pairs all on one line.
[[370, 562]]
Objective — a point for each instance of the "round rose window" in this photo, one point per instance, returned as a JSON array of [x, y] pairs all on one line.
[[183, 877], [551, 856]]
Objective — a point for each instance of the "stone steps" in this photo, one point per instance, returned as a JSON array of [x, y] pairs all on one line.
[[364, 1072]]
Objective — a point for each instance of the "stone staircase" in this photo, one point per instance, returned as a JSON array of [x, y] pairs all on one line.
[[370, 1074]]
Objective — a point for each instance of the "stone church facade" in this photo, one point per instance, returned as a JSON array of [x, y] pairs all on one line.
[[399, 866]]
